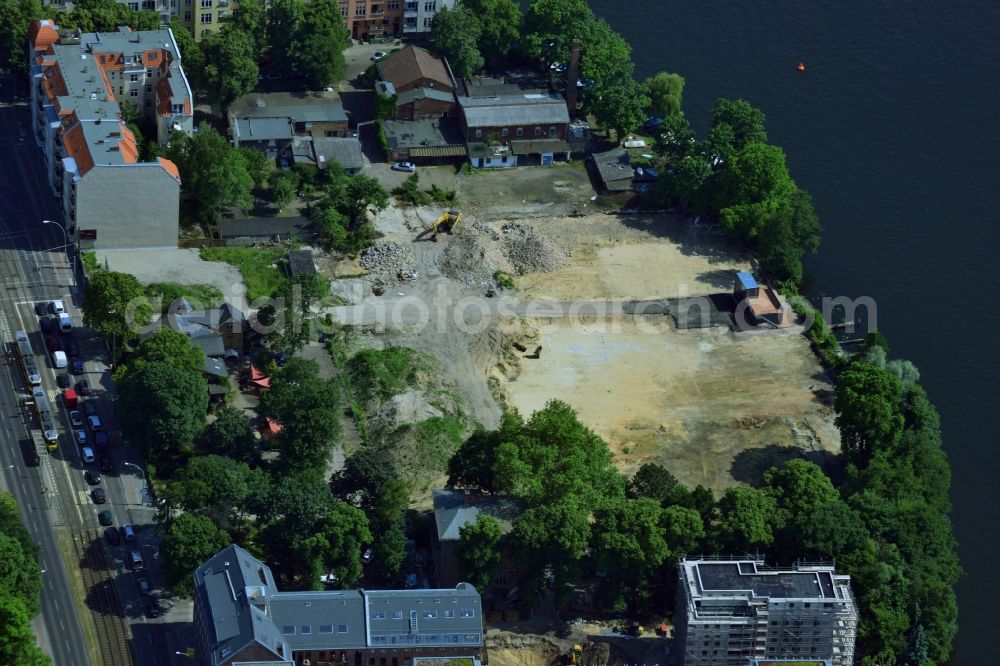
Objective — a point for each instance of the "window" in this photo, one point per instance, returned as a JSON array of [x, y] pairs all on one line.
[[149, 72], [149, 103], [341, 628], [177, 108], [187, 13], [538, 131], [397, 615], [467, 612], [429, 614], [393, 4], [134, 6], [376, 10], [343, 11], [288, 630], [449, 613], [479, 134], [520, 131], [410, 7], [430, 6], [133, 78], [188, 2], [326, 628], [428, 22], [133, 93], [359, 11], [149, 5], [504, 132], [379, 615], [206, 4], [149, 90], [552, 131], [305, 629], [206, 18]]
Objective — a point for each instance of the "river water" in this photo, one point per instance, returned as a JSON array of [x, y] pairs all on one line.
[[894, 128]]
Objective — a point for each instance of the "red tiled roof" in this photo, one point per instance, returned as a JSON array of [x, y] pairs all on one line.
[[170, 168], [129, 151], [43, 34], [407, 65], [76, 147]]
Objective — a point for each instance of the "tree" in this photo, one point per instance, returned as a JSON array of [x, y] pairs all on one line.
[[170, 347], [251, 19], [19, 573], [787, 232], [187, 543], [746, 518], [551, 25], [194, 59], [163, 407], [744, 120], [230, 68], [620, 107], [551, 537], [306, 406], [387, 517], [321, 55], [284, 20], [116, 305], [868, 403], [689, 182], [684, 530], [478, 551], [605, 59], [256, 163], [657, 483], [553, 456], [17, 638], [218, 487], [365, 472], [335, 547], [664, 91], [832, 530], [797, 487], [283, 186], [499, 23], [755, 174], [455, 35], [629, 546], [674, 137], [16, 17], [296, 504], [231, 435], [472, 465], [212, 172]]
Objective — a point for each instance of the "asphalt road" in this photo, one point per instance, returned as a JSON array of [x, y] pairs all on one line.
[[54, 497]]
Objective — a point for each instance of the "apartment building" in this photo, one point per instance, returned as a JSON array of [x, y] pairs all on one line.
[[729, 612], [419, 14], [109, 198], [240, 616], [202, 17]]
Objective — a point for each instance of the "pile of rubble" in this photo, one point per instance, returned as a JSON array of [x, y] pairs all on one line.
[[388, 260], [476, 252]]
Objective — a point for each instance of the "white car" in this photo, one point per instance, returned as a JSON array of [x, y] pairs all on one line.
[[409, 167], [57, 307], [379, 55]]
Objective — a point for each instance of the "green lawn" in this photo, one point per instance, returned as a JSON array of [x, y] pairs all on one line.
[[258, 265], [200, 295]]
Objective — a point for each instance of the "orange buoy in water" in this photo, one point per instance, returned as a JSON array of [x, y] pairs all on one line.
[[801, 67]]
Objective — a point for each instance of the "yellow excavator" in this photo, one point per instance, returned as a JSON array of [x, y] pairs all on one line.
[[446, 224]]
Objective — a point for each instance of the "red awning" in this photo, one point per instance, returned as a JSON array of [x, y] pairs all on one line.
[[263, 382], [256, 374], [272, 427]]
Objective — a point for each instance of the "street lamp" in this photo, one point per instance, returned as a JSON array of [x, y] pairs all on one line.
[[137, 468], [72, 254]]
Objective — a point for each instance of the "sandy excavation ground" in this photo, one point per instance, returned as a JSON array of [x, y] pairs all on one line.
[[714, 407], [690, 400]]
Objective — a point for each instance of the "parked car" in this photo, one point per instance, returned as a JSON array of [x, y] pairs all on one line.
[[83, 387], [128, 533], [368, 555], [52, 343], [72, 347], [105, 518], [378, 56], [57, 307], [153, 609], [111, 534], [70, 398], [99, 496], [41, 308], [76, 419], [106, 465], [135, 559], [652, 123], [63, 380], [143, 586], [81, 437], [101, 441], [65, 323], [408, 167], [90, 408], [47, 324], [76, 367], [92, 477], [88, 454], [94, 422]]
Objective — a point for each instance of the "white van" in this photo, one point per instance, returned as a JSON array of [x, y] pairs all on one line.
[[59, 358], [65, 323], [57, 307]]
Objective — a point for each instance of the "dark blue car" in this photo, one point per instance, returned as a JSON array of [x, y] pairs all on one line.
[[77, 367]]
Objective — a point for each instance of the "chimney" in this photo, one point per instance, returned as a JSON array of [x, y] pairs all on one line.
[[572, 76]]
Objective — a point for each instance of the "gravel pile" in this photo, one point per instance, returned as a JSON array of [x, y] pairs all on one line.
[[530, 252], [387, 260], [476, 252]]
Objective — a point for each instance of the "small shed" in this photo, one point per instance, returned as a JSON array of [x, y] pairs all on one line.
[[300, 262], [758, 304]]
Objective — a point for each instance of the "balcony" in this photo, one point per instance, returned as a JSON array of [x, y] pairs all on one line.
[[410, 9]]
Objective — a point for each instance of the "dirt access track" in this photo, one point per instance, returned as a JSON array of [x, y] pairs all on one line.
[[716, 408]]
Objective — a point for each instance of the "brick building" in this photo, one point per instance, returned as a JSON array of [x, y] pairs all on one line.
[[503, 129], [422, 82]]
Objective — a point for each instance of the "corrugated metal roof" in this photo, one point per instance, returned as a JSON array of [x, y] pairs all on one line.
[[746, 280], [439, 151], [263, 129], [510, 110]]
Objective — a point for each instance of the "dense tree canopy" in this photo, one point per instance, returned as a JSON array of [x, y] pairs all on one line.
[[478, 552], [230, 65], [188, 541], [17, 638], [744, 121], [365, 472], [170, 347], [163, 408], [213, 173], [335, 547], [232, 435], [455, 35], [629, 546], [664, 91], [15, 20], [116, 305], [620, 107], [746, 517], [499, 26], [868, 403], [306, 406]]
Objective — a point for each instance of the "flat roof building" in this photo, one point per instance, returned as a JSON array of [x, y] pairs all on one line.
[[730, 611], [240, 616], [110, 199]]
